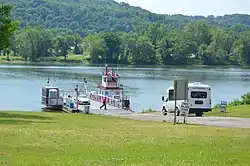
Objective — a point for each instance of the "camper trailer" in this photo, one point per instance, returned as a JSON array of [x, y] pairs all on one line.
[[199, 99]]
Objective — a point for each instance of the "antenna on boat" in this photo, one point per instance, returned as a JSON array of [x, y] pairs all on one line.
[[117, 64]]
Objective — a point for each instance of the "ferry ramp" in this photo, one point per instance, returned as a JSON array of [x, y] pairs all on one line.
[[114, 111]]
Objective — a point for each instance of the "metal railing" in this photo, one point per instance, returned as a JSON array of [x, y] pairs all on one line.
[[110, 101], [118, 103], [51, 101]]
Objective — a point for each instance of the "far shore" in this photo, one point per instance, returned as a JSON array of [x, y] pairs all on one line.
[[68, 63]]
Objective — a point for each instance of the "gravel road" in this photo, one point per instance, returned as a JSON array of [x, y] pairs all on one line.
[[228, 122]]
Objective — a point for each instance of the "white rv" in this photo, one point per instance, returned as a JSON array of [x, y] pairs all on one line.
[[199, 99]]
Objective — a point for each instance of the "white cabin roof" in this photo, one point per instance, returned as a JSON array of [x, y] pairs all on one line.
[[50, 87], [53, 90], [193, 85], [198, 84]]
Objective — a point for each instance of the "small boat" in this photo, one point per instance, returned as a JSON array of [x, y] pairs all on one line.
[[111, 88]]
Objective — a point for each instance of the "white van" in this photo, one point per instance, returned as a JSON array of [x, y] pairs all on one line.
[[199, 98]]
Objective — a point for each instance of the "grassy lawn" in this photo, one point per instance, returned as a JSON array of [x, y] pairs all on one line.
[[74, 58], [235, 111], [79, 139], [13, 59]]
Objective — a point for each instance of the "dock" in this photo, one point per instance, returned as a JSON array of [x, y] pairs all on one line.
[[95, 109]]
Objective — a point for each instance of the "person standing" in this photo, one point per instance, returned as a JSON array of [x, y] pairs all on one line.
[[104, 103]]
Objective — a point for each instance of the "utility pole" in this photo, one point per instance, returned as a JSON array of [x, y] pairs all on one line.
[[175, 103]]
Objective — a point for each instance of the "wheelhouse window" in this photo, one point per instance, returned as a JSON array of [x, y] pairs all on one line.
[[104, 79], [199, 95]]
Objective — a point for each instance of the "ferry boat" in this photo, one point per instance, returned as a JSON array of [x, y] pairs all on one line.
[[112, 89], [77, 100]]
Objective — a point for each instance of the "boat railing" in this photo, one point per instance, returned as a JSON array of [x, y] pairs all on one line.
[[65, 93], [52, 101], [110, 101]]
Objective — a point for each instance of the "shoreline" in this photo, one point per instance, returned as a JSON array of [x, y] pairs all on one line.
[[70, 64]]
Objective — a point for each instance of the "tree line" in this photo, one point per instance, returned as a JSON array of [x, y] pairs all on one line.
[[149, 44], [90, 16]]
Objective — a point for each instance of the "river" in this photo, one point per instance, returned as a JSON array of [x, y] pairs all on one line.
[[20, 86]]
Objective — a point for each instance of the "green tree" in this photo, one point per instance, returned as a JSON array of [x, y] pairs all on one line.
[[144, 52], [63, 44], [33, 43], [77, 42], [113, 43], [128, 47], [197, 33], [166, 50], [98, 51], [7, 27], [243, 48]]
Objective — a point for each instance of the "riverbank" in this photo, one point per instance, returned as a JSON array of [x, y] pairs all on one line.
[[80, 60], [30, 138], [71, 60]]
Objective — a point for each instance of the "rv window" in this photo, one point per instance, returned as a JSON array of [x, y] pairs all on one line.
[[171, 95], [199, 95]]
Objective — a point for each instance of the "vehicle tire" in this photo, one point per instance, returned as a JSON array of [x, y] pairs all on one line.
[[199, 114], [165, 113]]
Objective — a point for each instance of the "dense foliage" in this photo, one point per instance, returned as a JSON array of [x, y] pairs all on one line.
[[105, 31], [90, 16], [245, 100], [151, 44], [7, 27]]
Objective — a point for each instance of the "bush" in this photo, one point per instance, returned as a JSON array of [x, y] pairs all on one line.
[[235, 103], [217, 106], [149, 111], [245, 100]]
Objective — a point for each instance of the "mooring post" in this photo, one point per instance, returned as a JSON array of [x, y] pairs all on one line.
[[77, 95]]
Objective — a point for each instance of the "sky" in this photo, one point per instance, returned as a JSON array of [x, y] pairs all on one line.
[[193, 7]]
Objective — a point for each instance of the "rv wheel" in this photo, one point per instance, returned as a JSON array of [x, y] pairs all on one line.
[[164, 111], [177, 112]]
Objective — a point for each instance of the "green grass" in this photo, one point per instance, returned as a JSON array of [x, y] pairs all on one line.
[[242, 111], [72, 58], [79, 139], [12, 59]]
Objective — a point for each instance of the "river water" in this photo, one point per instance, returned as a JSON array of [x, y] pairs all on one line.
[[20, 86]]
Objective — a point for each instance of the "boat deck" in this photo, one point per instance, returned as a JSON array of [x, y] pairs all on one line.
[[95, 109]]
